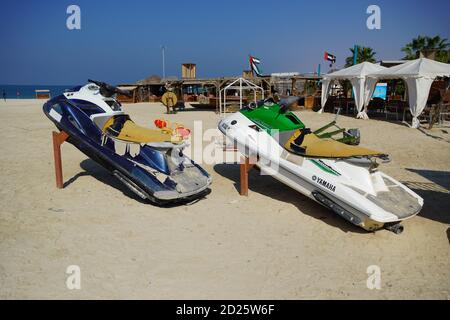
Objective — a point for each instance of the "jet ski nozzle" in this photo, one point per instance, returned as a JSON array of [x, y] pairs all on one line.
[[395, 227]]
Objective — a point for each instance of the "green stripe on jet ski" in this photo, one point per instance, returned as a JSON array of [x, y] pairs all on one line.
[[325, 167]]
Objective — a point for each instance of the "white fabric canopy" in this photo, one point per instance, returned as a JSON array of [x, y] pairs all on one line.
[[357, 76], [418, 74]]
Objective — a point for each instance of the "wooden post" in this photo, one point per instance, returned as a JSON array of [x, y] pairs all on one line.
[[245, 167], [294, 86], [58, 140]]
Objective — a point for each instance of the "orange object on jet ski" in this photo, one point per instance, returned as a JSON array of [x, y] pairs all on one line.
[[161, 123], [177, 128]]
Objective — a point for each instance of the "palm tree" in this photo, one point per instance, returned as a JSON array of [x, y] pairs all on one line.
[[420, 43], [364, 54]]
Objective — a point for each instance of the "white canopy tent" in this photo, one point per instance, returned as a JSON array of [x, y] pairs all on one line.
[[418, 74], [357, 76]]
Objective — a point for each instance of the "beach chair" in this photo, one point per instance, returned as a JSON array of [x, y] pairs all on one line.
[[439, 113], [376, 106], [391, 108], [445, 113], [427, 114], [337, 105], [351, 107]]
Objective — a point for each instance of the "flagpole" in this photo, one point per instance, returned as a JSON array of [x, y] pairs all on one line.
[[163, 52]]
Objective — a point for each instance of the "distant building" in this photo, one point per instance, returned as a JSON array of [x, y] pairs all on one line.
[[390, 63], [426, 53], [284, 74], [42, 94], [188, 71], [247, 74]]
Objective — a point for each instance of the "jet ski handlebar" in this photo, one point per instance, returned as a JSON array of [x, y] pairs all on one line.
[[108, 90], [287, 103], [253, 105]]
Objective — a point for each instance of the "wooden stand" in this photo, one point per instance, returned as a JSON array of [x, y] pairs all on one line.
[[245, 167], [58, 140]]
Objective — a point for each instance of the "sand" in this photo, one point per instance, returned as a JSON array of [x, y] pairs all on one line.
[[274, 244]]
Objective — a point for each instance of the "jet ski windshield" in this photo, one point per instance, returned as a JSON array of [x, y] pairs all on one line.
[[114, 104], [265, 102], [269, 117]]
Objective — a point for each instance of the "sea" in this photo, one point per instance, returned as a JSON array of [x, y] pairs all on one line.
[[28, 91]]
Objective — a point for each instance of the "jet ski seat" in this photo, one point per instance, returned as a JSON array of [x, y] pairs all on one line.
[[123, 128], [305, 143]]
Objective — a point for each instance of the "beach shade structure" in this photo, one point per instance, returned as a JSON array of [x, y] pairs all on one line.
[[241, 85], [357, 76], [418, 75]]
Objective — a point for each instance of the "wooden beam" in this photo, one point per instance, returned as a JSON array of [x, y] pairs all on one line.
[[58, 140], [245, 167]]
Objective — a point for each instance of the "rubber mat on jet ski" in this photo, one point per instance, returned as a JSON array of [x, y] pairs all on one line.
[[123, 128], [305, 143]]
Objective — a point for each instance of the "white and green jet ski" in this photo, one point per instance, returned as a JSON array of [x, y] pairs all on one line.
[[344, 178]]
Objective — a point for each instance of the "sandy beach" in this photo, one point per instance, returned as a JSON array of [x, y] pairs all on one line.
[[274, 244]]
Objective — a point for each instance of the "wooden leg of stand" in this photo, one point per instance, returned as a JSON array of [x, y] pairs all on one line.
[[245, 167], [244, 176], [58, 139]]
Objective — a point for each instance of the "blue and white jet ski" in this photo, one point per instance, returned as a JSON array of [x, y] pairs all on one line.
[[150, 162]]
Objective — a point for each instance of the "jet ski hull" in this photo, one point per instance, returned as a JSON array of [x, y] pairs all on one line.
[[142, 173], [349, 187]]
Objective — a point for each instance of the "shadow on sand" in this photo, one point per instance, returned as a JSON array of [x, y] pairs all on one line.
[[441, 178], [436, 195], [428, 134], [93, 169], [272, 188]]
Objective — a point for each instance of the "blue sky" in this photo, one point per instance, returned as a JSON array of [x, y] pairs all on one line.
[[120, 41]]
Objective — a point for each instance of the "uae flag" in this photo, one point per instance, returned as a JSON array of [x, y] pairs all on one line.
[[330, 57], [254, 65]]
